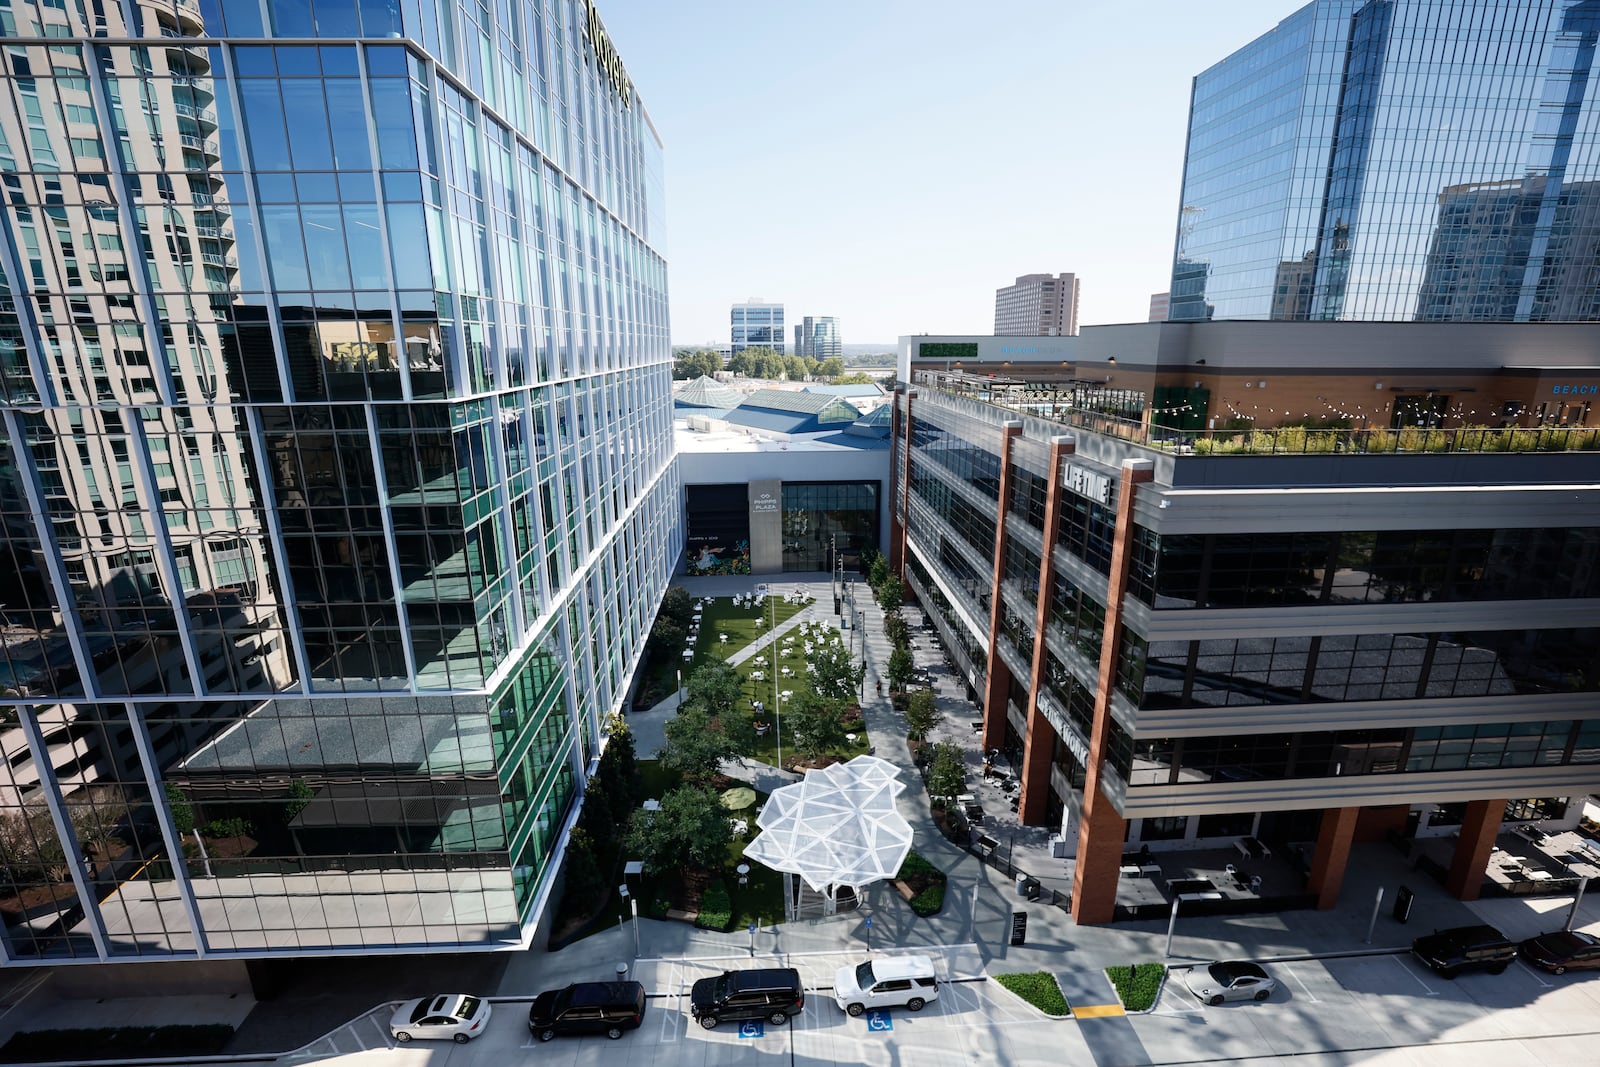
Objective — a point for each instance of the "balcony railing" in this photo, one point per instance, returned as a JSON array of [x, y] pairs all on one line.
[[1289, 440]]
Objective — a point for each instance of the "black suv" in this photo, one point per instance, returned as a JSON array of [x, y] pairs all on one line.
[[587, 1008], [1465, 948], [771, 993]]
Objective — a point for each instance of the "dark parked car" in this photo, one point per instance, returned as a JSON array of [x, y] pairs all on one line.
[[1465, 948], [1562, 951], [608, 1008], [770, 993]]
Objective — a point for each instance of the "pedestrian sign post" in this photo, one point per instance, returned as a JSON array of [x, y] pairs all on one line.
[[869, 933]]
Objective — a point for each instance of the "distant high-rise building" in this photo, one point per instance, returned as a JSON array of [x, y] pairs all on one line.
[[1037, 305], [817, 336], [1159, 304], [331, 534], [757, 324], [1325, 180]]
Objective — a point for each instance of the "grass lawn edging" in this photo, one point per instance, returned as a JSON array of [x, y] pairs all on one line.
[[1038, 988], [921, 885], [1138, 985]]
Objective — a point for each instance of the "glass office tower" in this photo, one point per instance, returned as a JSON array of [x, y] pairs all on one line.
[[756, 324], [1397, 160], [336, 483]]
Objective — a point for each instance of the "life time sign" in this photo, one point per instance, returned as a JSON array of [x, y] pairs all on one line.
[[605, 54], [1092, 484]]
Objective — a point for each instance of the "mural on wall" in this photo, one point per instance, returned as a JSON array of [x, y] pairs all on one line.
[[719, 529], [708, 557]]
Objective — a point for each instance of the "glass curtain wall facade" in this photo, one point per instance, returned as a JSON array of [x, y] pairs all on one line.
[[824, 518], [336, 482], [757, 325], [1397, 160], [1245, 689], [818, 337]]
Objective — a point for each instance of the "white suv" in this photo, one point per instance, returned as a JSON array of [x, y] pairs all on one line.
[[886, 983]]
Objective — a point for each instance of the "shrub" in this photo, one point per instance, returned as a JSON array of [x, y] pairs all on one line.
[[1138, 984], [716, 907], [926, 883], [231, 827], [1037, 988]]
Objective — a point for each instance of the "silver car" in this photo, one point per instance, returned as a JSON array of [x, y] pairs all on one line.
[[1230, 980], [442, 1017]]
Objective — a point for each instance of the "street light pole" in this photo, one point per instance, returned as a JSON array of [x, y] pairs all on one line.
[[777, 699]]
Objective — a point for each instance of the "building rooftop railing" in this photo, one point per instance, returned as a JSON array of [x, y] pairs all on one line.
[[1283, 440]]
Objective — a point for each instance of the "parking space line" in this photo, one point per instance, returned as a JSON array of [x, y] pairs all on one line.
[[1312, 997], [1537, 977], [1426, 988]]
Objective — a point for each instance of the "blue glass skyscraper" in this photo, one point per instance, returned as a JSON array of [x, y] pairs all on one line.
[[336, 480], [1397, 160]]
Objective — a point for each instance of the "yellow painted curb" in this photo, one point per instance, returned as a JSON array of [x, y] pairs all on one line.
[[1097, 1011]]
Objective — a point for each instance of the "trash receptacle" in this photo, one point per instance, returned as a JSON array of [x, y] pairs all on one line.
[[1403, 899]]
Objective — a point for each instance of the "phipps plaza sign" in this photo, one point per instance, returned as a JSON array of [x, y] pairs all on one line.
[[605, 54]]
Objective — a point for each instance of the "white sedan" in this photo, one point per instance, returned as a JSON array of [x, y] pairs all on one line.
[[1234, 980], [444, 1016]]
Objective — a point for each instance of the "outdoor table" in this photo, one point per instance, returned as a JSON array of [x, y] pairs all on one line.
[[688, 653], [759, 676]]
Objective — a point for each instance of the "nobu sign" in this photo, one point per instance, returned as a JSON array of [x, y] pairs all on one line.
[[605, 54]]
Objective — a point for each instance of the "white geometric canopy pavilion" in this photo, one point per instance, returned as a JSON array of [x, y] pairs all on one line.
[[836, 827]]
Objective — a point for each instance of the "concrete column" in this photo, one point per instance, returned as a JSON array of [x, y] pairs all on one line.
[[1100, 829], [1039, 745], [998, 675], [1333, 852], [1478, 830]]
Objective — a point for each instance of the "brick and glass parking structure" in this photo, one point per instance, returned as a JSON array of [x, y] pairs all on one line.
[[1269, 586]]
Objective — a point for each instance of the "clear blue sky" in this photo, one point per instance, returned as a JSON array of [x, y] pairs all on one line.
[[893, 162]]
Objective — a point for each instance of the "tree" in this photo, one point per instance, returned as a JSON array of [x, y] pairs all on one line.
[[677, 605], [182, 810], [816, 723], [853, 378], [696, 744], [834, 672], [891, 594], [895, 628], [690, 830], [878, 571], [757, 363], [617, 764], [901, 667], [586, 884], [718, 688], [947, 771], [833, 368], [799, 368], [697, 363], [922, 714]]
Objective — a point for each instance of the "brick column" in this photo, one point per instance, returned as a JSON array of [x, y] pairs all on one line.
[[1332, 853], [1478, 830], [897, 529], [1100, 828], [1039, 745], [997, 674]]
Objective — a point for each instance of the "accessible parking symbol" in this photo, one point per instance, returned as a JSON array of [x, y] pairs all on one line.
[[752, 1029], [879, 1020]]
